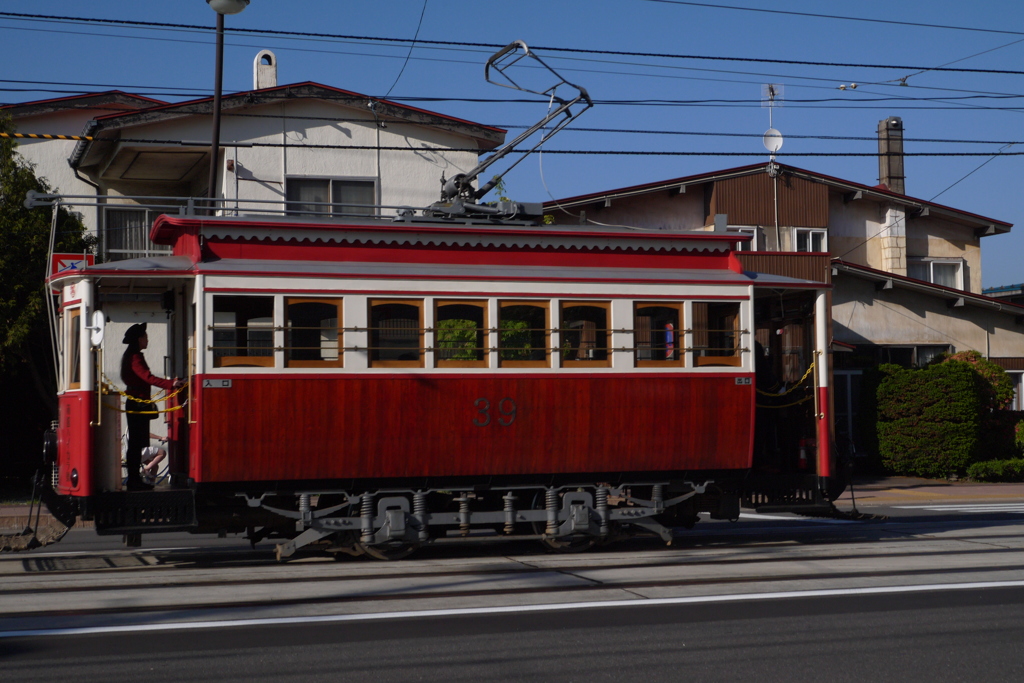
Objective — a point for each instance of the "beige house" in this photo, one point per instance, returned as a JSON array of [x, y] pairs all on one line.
[[323, 149], [906, 272]]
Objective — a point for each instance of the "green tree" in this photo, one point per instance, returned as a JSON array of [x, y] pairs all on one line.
[[26, 358]]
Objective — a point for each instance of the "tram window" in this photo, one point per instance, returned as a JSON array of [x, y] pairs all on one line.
[[656, 334], [73, 349], [312, 333], [716, 333], [523, 335], [584, 333], [243, 331], [460, 334], [396, 333]]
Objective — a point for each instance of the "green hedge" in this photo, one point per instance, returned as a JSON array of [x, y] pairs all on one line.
[[997, 470], [929, 420]]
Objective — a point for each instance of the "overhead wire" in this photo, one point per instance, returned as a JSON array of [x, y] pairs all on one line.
[[789, 77], [816, 15], [547, 48], [412, 46], [396, 148]]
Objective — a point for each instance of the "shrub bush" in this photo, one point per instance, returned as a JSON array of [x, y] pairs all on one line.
[[997, 390], [997, 470], [929, 421]]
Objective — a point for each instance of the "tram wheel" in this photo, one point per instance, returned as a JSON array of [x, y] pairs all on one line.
[[576, 543], [390, 551], [570, 544]]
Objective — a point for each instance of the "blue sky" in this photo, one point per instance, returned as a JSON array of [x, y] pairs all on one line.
[[693, 105]]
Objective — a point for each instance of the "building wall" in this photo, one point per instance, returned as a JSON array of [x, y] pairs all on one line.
[[936, 237], [862, 314], [655, 211], [404, 178], [50, 157]]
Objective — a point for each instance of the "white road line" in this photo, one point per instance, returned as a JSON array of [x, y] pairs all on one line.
[[980, 507], [513, 609], [795, 518]]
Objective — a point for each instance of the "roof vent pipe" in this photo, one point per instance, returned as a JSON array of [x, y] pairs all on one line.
[[890, 154], [264, 70]]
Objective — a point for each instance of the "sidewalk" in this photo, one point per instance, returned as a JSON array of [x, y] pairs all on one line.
[[14, 518], [870, 491]]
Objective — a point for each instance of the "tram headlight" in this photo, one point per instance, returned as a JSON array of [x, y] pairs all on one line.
[[74, 477]]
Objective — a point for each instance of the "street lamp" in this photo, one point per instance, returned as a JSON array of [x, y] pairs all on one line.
[[221, 7]]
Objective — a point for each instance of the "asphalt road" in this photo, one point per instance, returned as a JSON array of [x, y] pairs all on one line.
[[926, 585], [935, 636]]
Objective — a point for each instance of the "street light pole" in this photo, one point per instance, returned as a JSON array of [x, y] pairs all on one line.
[[215, 135], [221, 7]]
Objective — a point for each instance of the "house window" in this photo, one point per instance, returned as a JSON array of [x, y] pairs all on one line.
[[755, 238], [313, 333], [716, 333], [126, 234], [524, 339], [656, 330], [326, 197], [460, 334], [811, 240], [912, 356], [944, 272], [396, 333], [584, 334], [243, 331], [1018, 400]]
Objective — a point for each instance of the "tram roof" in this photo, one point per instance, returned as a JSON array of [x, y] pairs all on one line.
[[170, 266], [167, 229]]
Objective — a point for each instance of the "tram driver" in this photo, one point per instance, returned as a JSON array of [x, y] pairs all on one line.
[[139, 411]]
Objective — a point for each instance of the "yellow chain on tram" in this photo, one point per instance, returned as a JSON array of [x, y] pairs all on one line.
[[789, 391], [109, 388]]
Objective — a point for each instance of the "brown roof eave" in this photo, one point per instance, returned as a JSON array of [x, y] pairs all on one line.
[[949, 294], [487, 137]]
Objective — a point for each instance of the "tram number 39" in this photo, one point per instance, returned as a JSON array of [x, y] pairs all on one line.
[[506, 412]]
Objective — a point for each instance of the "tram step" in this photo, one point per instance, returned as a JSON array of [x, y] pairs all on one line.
[[144, 511]]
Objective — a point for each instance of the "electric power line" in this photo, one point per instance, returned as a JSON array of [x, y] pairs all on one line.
[[607, 152], [495, 46], [915, 24]]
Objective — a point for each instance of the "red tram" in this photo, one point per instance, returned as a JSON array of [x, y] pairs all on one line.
[[368, 386]]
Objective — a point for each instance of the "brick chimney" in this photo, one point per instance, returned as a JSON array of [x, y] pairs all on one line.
[[890, 154]]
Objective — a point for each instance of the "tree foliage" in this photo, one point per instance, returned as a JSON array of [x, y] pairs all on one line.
[[24, 243], [26, 361]]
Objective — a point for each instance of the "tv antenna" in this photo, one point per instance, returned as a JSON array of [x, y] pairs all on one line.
[[771, 97]]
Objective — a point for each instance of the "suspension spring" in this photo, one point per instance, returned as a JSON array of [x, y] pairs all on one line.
[[658, 496], [305, 512], [601, 501], [551, 506], [510, 512], [419, 511], [463, 502], [366, 517]]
